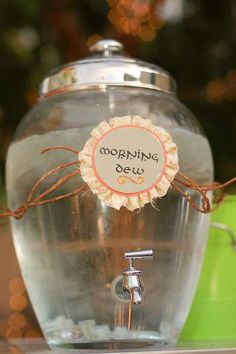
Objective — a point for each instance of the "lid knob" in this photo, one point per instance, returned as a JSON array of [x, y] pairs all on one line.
[[107, 47]]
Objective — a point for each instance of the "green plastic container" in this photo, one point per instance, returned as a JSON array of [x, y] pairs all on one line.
[[213, 313]]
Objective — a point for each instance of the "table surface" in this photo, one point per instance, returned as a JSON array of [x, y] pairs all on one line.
[[39, 346]]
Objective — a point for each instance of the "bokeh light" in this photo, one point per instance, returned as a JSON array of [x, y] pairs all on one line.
[[231, 77], [93, 39], [17, 286], [136, 17], [215, 91], [12, 333], [18, 302], [147, 33], [16, 320]]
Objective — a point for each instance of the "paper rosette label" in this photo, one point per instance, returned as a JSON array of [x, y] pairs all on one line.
[[128, 162]]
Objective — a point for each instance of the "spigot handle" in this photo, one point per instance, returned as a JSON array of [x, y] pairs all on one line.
[[144, 254]]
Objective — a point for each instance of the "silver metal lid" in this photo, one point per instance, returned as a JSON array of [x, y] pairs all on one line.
[[106, 67]]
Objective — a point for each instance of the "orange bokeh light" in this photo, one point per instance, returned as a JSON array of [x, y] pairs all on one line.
[[215, 91], [231, 77], [16, 320], [147, 33], [17, 286], [93, 39], [13, 333], [128, 26], [136, 17], [18, 302], [156, 22]]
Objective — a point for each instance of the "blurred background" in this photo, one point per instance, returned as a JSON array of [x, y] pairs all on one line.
[[193, 39]]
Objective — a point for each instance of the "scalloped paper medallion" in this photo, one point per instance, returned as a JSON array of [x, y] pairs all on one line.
[[128, 162]]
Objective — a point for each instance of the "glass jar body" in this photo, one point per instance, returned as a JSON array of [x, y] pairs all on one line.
[[71, 252]]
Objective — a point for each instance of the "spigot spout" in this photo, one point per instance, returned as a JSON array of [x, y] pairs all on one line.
[[132, 277], [136, 296]]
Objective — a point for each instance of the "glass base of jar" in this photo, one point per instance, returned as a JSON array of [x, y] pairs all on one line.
[[135, 345], [64, 333]]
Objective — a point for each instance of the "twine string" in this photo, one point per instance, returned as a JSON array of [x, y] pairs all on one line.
[[65, 148], [33, 200], [202, 189], [181, 180], [59, 183]]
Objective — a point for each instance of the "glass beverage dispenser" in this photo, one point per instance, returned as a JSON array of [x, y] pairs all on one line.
[[100, 275]]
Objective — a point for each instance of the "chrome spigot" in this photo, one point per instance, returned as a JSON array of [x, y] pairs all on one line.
[[132, 280]]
